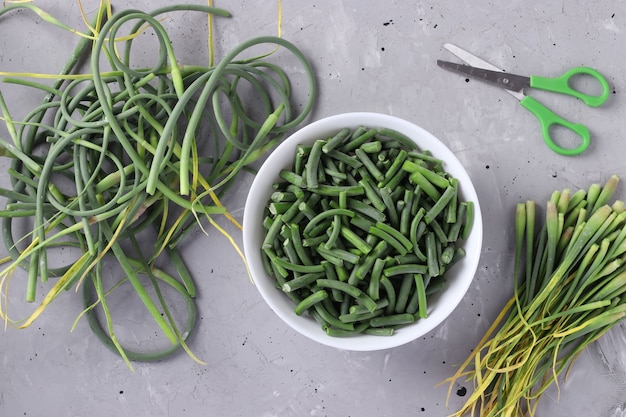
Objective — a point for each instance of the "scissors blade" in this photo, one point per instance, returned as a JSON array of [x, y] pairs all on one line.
[[477, 62], [502, 79], [469, 58]]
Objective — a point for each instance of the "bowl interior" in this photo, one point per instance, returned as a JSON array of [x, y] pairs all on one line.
[[440, 306]]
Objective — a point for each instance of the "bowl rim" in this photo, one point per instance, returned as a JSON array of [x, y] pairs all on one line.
[[259, 194]]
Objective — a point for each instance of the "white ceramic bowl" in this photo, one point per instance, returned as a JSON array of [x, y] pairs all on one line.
[[440, 306]]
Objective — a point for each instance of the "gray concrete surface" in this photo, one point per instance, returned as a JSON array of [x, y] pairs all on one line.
[[368, 56]]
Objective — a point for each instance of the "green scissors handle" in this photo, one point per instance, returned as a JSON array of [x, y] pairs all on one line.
[[562, 85], [548, 118]]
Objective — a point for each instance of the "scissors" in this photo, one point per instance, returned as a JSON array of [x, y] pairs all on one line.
[[515, 85]]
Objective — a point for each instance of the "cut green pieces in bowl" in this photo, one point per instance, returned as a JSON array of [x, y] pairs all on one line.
[[356, 231]]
